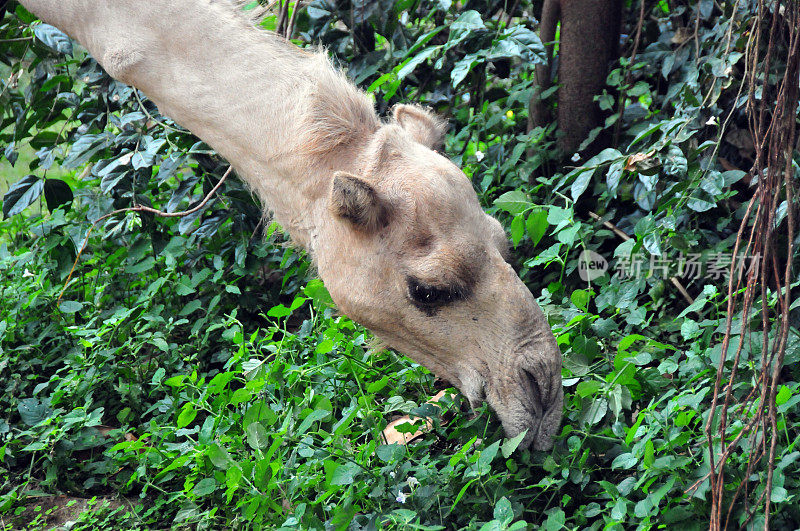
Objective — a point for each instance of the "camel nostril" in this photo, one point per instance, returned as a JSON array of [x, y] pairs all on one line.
[[534, 391]]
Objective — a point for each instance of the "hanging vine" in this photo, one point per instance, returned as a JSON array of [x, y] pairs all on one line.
[[749, 427]]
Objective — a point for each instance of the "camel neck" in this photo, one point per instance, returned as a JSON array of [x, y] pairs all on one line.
[[282, 116]]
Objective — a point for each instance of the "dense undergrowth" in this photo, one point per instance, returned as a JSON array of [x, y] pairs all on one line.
[[194, 369]]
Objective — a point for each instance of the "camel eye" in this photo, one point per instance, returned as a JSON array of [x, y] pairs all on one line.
[[428, 297]]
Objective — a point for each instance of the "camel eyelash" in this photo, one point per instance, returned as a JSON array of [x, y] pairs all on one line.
[[427, 297]]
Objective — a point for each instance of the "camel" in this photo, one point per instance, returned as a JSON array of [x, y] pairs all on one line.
[[394, 228]]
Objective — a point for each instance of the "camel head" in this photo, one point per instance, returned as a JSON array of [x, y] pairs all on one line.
[[408, 252]]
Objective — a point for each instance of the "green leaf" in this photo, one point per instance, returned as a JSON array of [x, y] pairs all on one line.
[[620, 509], [468, 21], [537, 225], [219, 457], [187, 415], [580, 184], [595, 412], [462, 68], [415, 61], [143, 266], [699, 205], [324, 346], [690, 329], [625, 461], [555, 520], [233, 477], [784, 394], [317, 292], [342, 516], [514, 202], [53, 38], [240, 395], [176, 381], [218, 382], [183, 189], [257, 436], [57, 193], [488, 455], [509, 445], [588, 388], [345, 473], [312, 417], [11, 154], [779, 494], [580, 298], [503, 511], [70, 306], [649, 453], [158, 376], [279, 311], [376, 386], [22, 194], [389, 453], [191, 307], [568, 234], [557, 215], [517, 229], [205, 487], [32, 411]]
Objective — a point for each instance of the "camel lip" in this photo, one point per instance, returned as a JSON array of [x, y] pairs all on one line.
[[528, 394]]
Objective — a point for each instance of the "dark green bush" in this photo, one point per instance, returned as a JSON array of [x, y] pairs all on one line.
[[195, 369]]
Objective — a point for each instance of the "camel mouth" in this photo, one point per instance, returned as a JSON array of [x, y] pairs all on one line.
[[529, 396], [540, 420]]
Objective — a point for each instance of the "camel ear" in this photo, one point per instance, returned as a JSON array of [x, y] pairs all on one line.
[[424, 126], [354, 199]]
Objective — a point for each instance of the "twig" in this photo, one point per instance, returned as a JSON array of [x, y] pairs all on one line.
[[290, 26], [140, 208]]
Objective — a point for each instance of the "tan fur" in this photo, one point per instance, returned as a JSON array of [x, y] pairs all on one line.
[[354, 199], [382, 214], [423, 126]]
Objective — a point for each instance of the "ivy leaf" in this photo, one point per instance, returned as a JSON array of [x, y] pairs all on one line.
[[21, 195]]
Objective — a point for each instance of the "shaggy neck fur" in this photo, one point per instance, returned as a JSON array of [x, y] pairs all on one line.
[[283, 117]]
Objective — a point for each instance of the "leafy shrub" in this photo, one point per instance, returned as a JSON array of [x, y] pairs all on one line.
[[195, 366]]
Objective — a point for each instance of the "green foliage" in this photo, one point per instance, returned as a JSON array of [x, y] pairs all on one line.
[[194, 366]]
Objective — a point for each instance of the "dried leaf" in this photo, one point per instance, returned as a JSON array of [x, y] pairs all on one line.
[[392, 436]]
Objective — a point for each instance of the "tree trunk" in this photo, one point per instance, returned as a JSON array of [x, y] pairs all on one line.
[[589, 41]]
